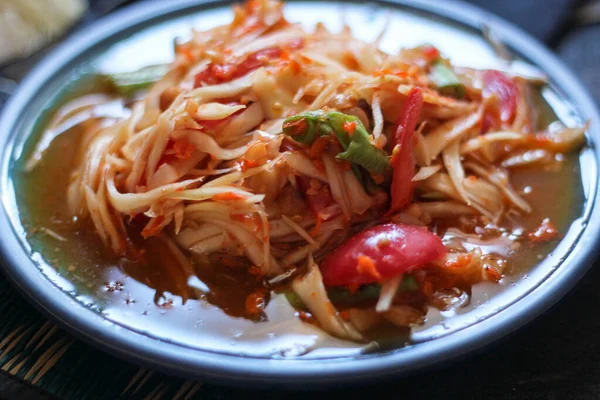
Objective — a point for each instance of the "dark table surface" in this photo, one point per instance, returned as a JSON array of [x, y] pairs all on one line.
[[557, 356]]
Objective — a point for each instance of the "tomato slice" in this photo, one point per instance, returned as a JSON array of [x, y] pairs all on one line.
[[496, 83], [393, 249], [403, 162]]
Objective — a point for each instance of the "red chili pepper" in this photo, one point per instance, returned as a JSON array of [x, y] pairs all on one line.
[[380, 253], [219, 73], [403, 162]]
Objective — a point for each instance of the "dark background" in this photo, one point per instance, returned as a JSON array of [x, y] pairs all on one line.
[[557, 356]]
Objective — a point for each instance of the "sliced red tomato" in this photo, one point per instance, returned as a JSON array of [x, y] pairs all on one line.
[[403, 162], [393, 249], [496, 83]]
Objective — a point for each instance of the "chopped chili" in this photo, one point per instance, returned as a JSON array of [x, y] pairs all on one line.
[[227, 196], [367, 266], [183, 149], [543, 233]]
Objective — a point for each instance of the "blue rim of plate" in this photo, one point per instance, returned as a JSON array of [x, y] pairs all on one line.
[[93, 328]]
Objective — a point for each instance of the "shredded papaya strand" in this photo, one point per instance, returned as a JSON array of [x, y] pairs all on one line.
[[251, 220], [330, 308], [367, 266], [306, 317], [227, 196]]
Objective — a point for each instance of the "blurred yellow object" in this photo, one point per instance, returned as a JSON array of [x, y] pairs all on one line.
[[26, 25]]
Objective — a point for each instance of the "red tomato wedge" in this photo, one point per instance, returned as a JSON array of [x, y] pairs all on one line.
[[393, 249], [403, 162], [504, 88]]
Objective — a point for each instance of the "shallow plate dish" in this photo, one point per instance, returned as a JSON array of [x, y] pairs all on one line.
[[145, 32]]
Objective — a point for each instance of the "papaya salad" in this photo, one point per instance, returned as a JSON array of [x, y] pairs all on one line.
[[366, 187]]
